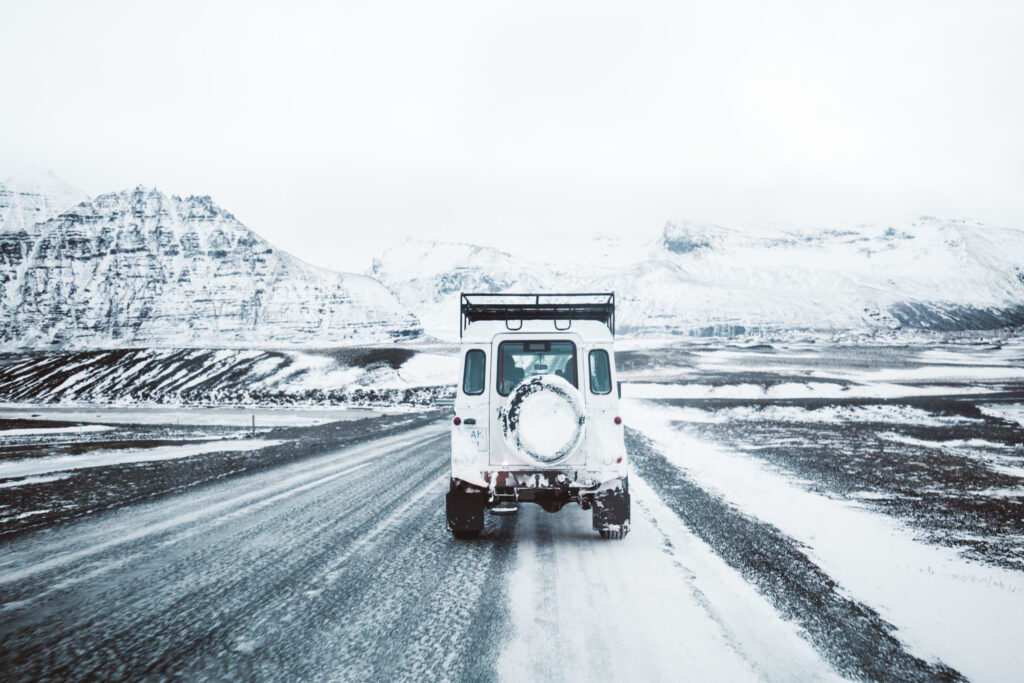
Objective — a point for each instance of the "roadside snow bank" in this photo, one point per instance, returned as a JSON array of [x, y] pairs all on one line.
[[946, 608]]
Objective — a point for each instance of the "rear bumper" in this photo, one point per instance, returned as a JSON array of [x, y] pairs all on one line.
[[547, 479], [580, 476], [551, 489]]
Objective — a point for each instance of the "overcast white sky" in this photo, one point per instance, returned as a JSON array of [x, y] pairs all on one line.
[[335, 129]]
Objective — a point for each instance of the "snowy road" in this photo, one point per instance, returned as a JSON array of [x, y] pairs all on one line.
[[338, 567]]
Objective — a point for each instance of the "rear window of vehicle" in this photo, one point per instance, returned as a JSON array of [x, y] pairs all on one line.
[[600, 372], [474, 373], [518, 360]]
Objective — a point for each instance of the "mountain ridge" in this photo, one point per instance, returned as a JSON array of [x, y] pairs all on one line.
[[706, 280], [140, 267], [144, 268]]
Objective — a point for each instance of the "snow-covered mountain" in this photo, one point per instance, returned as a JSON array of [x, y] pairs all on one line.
[[142, 268], [708, 280], [28, 200]]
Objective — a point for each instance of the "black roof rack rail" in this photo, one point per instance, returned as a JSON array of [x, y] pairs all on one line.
[[599, 306]]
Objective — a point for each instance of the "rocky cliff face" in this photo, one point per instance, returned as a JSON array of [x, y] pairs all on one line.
[[931, 275], [25, 203], [143, 268]]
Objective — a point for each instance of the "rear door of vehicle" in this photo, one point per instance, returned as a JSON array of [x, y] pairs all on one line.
[[599, 388], [501, 454], [472, 398]]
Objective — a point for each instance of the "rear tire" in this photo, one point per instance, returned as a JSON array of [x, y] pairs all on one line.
[[465, 509], [611, 511]]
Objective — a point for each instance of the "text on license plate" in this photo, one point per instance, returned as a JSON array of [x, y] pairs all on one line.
[[479, 437]]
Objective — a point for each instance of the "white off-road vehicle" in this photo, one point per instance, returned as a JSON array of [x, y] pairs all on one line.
[[537, 410]]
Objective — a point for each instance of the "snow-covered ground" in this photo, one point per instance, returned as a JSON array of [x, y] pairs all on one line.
[[786, 390], [1013, 412], [48, 431], [943, 606], [373, 375], [873, 532]]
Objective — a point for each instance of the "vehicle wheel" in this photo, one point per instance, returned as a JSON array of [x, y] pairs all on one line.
[[465, 507], [611, 511]]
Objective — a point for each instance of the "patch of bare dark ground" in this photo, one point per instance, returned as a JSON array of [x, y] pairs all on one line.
[[99, 489], [951, 493], [29, 423], [852, 636], [366, 357]]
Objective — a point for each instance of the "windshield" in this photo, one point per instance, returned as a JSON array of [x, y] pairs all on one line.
[[518, 360]]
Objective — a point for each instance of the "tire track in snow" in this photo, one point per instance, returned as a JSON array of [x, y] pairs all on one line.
[[584, 608]]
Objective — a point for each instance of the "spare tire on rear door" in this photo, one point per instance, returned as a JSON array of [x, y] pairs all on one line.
[[544, 419]]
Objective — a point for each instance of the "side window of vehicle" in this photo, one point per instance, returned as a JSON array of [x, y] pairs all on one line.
[[473, 376], [600, 372]]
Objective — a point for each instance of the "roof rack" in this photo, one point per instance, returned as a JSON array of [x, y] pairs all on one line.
[[577, 306]]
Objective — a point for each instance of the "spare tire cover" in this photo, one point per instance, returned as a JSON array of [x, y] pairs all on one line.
[[543, 419]]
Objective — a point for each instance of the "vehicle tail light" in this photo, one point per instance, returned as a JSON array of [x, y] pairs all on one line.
[[457, 420], [618, 420]]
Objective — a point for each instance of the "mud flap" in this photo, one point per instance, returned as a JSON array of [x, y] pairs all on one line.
[[611, 510], [465, 511]]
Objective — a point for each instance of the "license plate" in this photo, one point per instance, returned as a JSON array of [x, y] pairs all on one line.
[[479, 437]]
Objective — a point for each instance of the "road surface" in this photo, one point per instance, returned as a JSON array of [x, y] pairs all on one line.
[[339, 567]]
